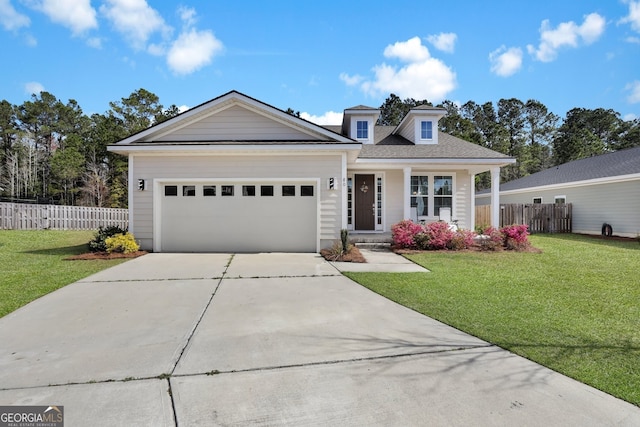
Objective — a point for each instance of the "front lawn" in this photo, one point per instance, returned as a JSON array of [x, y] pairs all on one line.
[[574, 308], [32, 264]]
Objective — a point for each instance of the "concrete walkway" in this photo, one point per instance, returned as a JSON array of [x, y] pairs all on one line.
[[380, 260], [268, 339]]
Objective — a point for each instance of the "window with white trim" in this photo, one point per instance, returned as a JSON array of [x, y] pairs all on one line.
[[560, 200], [429, 193], [362, 129], [537, 200], [426, 129]]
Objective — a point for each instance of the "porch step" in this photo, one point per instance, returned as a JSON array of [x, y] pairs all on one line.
[[373, 245]]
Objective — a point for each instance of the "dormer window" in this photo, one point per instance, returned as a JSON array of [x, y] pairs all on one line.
[[426, 129], [362, 129]]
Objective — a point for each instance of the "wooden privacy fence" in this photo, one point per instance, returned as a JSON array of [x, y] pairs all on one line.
[[541, 218], [18, 216]]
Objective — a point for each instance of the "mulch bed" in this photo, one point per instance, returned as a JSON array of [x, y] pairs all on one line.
[[104, 255], [353, 255], [475, 248]]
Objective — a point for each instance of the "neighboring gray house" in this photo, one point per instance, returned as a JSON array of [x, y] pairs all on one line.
[[602, 189], [237, 175]]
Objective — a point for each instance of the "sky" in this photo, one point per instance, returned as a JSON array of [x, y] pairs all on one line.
[[320, 58]]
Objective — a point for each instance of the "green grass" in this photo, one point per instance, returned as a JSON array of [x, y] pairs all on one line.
[[32, 264], [574, 308]]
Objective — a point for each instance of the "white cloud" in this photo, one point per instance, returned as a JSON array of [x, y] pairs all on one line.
[[10, 18], [135, 19], [77, 15], [94, 42], [445, 42], [566, 34], [183, 108], [629, 117], [634, 15], [33, 88], [328, 118], [634, 92], [632, 39], [187, 15], [422, 77], [192, 51], [506, 62], [410, 51], [351, 80]]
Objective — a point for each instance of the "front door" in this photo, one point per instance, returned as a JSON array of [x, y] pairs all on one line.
[[364, 189]]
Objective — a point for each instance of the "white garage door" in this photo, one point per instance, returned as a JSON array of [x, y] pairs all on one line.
[[239, 217]]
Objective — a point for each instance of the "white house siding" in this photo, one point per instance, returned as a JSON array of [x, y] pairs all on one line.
[[236, 124], [394, 197], [150, 167], [463, 203], [617, 204]]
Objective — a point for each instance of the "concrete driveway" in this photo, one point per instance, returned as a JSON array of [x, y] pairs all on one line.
[[268, 339]]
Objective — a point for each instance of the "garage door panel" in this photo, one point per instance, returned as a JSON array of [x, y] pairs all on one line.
[[239, 223]]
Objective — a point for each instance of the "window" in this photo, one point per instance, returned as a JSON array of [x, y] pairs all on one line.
[[188, 190], [306, 190], [266, 190], [429, 193], [288, 190], [426, 129], [560, 200], [420, 194], [362, 129], [209, 190], [349, 200], [443, 193], [248, 190], [227, 190], [537, 200], [379, 199], [170, 190]]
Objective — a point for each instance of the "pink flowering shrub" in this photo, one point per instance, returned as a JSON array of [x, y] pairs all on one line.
[[404, 233], [515, 237], [492, 239], [462, 239], [440, 235]]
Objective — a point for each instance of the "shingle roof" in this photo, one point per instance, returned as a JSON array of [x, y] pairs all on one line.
[[622, 162], [388, 145]]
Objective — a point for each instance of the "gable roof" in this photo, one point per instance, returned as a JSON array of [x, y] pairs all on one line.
[[617, 163], [307, 130]]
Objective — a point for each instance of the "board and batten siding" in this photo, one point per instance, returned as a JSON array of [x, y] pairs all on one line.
[[616, 203], [230, 167], [236, 124]]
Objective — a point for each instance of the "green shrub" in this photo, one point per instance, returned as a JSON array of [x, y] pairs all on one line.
[[98, 243], [122, 243]]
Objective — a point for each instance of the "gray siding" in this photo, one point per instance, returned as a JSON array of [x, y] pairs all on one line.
[[236, 124], [617, 204], [238, 167]]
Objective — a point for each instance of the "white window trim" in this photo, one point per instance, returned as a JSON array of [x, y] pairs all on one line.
[[365, 138], [431, 196], [555, 198], [533, 200], [426, 139]]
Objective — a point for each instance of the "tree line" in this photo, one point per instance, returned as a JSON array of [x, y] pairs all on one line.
[[51, 152], [526, 130]]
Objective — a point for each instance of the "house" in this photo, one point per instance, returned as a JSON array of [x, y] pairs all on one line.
[[237, 175], [602, 189]]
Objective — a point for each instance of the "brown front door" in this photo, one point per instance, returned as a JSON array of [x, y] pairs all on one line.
[[365, 190]]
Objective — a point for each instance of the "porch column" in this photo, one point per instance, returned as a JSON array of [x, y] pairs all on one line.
[[495, 197], [472, 215], [406, 200]]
